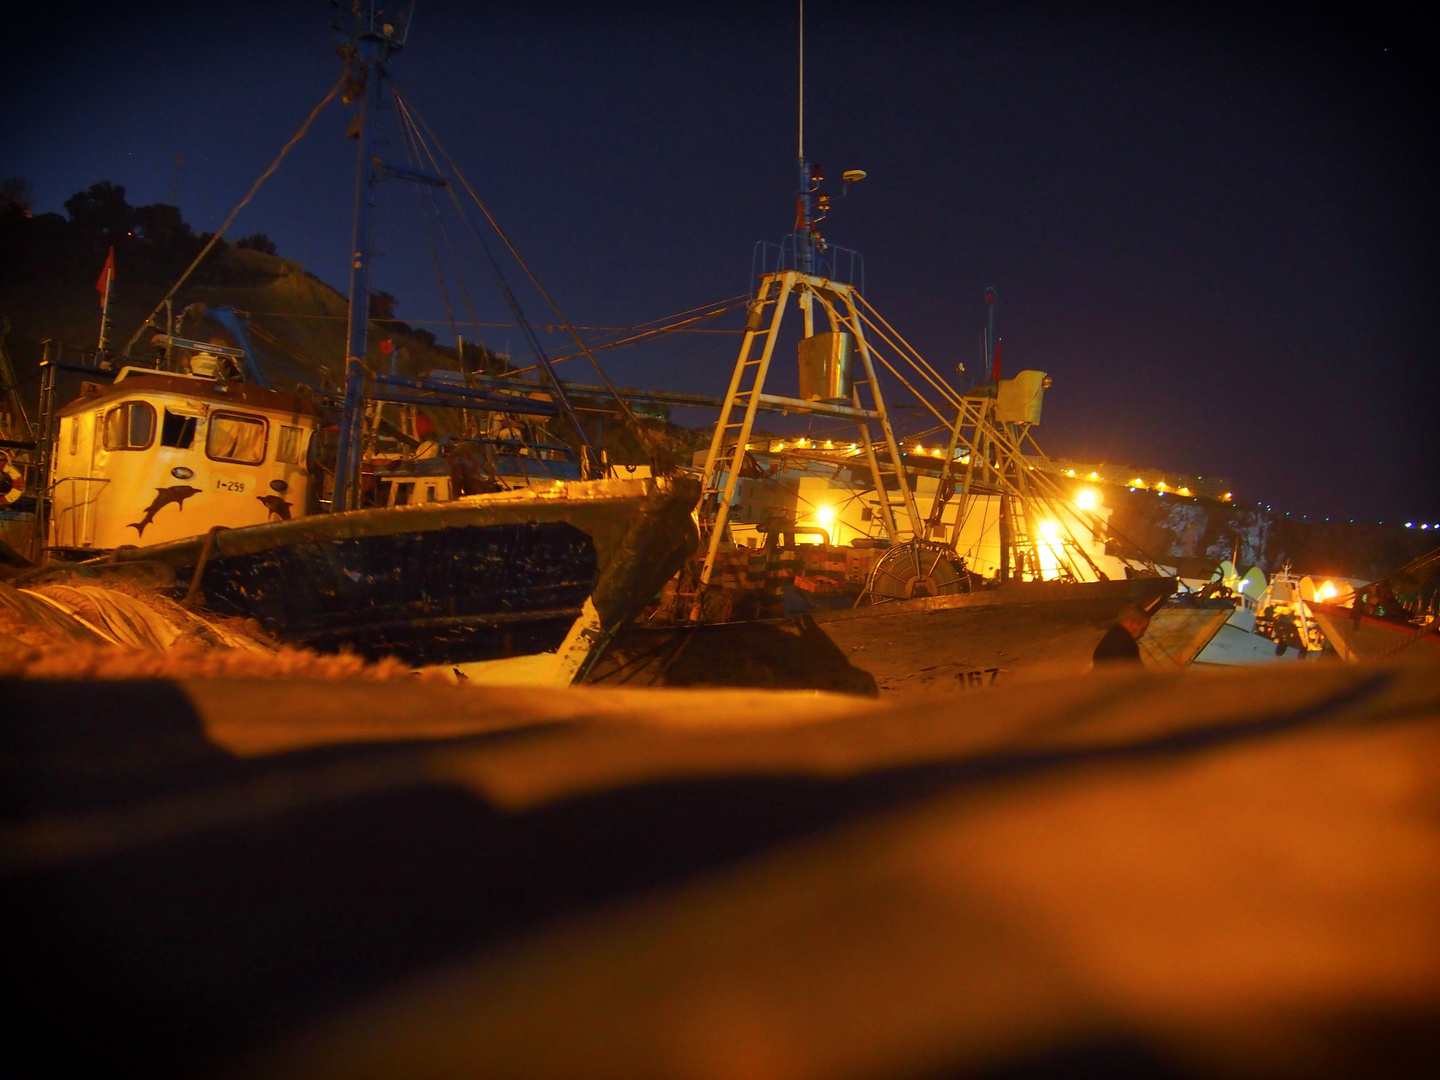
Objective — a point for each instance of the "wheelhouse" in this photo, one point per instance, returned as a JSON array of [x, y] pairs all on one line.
[[159, 456]]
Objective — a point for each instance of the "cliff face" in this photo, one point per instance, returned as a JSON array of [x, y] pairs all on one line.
[[1167, 527]]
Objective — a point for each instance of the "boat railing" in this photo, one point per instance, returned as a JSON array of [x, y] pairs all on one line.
[[827, 260]]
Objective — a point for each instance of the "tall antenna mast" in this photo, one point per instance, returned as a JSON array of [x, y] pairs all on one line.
[[802, 81], [805, 211]]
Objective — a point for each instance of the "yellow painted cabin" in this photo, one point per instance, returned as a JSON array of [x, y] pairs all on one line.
[[159, 456]]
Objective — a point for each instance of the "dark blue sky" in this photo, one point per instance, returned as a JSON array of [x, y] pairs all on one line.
[[1216, 230]]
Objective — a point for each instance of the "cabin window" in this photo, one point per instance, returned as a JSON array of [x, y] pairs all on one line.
[[402, 493], [236, 437], [177, 431], [429, 492], [74, 435], [130, 426], [287, 449]]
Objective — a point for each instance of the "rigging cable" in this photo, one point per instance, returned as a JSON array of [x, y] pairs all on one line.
[[510, 299], [215, 238], [412, 146], [640, 430]]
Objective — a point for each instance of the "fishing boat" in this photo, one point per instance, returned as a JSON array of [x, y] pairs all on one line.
[[929, 617], [1274, 619], [1396, 616], [525, 585], [163, 455], [199, 468]]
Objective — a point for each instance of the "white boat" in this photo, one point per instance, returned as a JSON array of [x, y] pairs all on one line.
[[1273, 621]]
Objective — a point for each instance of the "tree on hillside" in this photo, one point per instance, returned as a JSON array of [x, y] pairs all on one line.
[[101, 212], [257, 242], [162, 226], [382, 306], [15, 196]]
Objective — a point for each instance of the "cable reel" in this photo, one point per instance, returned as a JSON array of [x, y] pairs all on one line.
[[917, 569]]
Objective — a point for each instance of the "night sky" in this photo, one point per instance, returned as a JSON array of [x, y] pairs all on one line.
[[1216, 231]]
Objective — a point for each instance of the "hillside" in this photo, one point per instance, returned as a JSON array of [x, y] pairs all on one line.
[[49, 264]]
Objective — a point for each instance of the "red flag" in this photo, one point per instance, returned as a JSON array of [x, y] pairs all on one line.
[[107, 276], [995, 370]]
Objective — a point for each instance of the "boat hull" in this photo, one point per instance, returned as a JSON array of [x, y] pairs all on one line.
[[934, 645], [1181, 630], [473, 581], [940, 644], [1367, 638]]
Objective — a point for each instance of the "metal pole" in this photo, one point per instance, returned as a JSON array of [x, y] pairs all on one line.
[[43, 445], [105, 309], [990, 298], [878, 403], [348, 455], [805, 253]]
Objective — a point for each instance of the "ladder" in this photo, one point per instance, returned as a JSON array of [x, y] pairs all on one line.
[[730, 442]]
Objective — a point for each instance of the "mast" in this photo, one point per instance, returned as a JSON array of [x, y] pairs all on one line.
[[371, 45], [990, 298]]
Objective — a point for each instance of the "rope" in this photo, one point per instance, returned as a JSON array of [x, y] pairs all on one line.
[[916, 360], [215, 239], [413, 146], [639, 429], [643, 335]]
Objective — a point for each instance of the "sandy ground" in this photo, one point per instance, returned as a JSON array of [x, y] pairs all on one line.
[[1202, 874]]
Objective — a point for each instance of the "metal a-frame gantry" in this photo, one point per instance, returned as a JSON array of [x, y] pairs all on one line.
[[990, 448], [731, 439]]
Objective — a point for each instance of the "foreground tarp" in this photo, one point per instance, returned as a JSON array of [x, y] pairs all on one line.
[[1209, 873]]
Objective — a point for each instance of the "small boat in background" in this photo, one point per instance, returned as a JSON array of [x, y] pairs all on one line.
[[1398, 615], [1272, 621]]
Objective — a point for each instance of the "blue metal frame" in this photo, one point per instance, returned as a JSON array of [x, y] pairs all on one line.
[[826, 260]]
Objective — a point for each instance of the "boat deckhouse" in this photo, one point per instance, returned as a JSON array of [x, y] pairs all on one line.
[[160, 456]]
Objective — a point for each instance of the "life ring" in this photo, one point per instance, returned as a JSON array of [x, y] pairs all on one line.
[[12, 483]]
